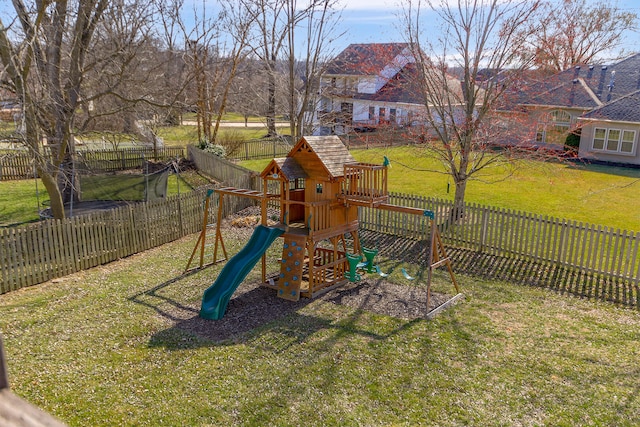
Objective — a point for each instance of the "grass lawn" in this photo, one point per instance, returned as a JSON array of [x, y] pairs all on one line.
[[19, 199], [114, 345], [180, 136], [593, 194]]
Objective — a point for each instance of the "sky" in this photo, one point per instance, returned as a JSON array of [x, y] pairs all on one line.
[[376, 21]]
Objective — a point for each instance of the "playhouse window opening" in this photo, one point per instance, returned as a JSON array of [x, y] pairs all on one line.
[[319, 188], [297, 184]]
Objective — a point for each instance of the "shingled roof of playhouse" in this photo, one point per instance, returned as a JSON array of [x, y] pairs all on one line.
[[329, 152]]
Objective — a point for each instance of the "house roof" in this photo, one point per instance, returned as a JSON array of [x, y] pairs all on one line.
[[588, 86], [624, 109], [365, 59], [290, 168], [404, 87]]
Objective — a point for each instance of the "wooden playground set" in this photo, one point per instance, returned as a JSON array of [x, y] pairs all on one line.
[[318, 187]]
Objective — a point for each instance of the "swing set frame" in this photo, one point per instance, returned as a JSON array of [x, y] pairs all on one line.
[[437, 255]]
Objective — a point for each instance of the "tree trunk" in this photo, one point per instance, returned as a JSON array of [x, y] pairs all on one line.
[[271, 101], [457, 212], [51, 185]]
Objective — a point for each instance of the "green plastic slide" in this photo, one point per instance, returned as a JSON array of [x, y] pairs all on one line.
[[216, 298]]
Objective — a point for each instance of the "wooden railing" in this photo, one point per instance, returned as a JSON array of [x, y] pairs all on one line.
[[326, 270], [366, 183]]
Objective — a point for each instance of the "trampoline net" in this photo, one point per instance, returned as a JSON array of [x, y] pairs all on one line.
[[129, 187]]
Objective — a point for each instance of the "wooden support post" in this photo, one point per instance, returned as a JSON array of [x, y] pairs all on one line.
[[430, 260], [4, 377], [219, 232], [203, 233]]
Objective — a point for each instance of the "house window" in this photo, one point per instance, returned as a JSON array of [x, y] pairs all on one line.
[[346, 112], [614, 140], [382, 113], [554, 127], [392, 116], [326, 105], [372, 113], [628, 140], [598, 138]]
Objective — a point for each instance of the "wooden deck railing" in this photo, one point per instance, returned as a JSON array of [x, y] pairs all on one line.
[[365, 183]]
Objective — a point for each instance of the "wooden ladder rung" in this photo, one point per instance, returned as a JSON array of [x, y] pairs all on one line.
[[440, 263]]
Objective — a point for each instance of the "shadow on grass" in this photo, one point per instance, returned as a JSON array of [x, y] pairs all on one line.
[[518, 270], [627, 171], [561, 279], [163, 305], [257, 317]]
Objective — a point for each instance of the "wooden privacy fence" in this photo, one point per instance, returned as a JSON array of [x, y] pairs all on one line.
[[18, 164], [15, 164], [223, 171], [126, 158], [599, 253], [261, 149], [53, 248]]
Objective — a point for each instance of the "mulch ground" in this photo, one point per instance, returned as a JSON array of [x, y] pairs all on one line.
[[253, 305]]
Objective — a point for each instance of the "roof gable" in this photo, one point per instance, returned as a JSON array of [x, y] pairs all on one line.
[[286, 168], [321, 156], [624, 109]]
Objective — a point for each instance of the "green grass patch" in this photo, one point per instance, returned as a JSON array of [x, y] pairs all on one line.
[[20, 201], [594, 194], [115, 345], [180, 136]]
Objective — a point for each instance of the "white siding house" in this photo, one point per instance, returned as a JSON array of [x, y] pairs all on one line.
[[366, 86]]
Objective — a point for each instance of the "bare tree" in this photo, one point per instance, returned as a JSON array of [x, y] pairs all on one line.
[[570, 32], [83, 65], [44, 52], [215, 48], [274, 41], [474, 35], [319, 25], [247, 95]]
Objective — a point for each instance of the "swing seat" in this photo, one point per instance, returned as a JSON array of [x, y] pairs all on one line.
[[380, 272], [406, 275], [369, 254], [353, 260], [361, 265]]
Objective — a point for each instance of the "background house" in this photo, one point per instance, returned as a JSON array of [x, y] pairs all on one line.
[[598, 102], [610, 132], [368, 85]]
